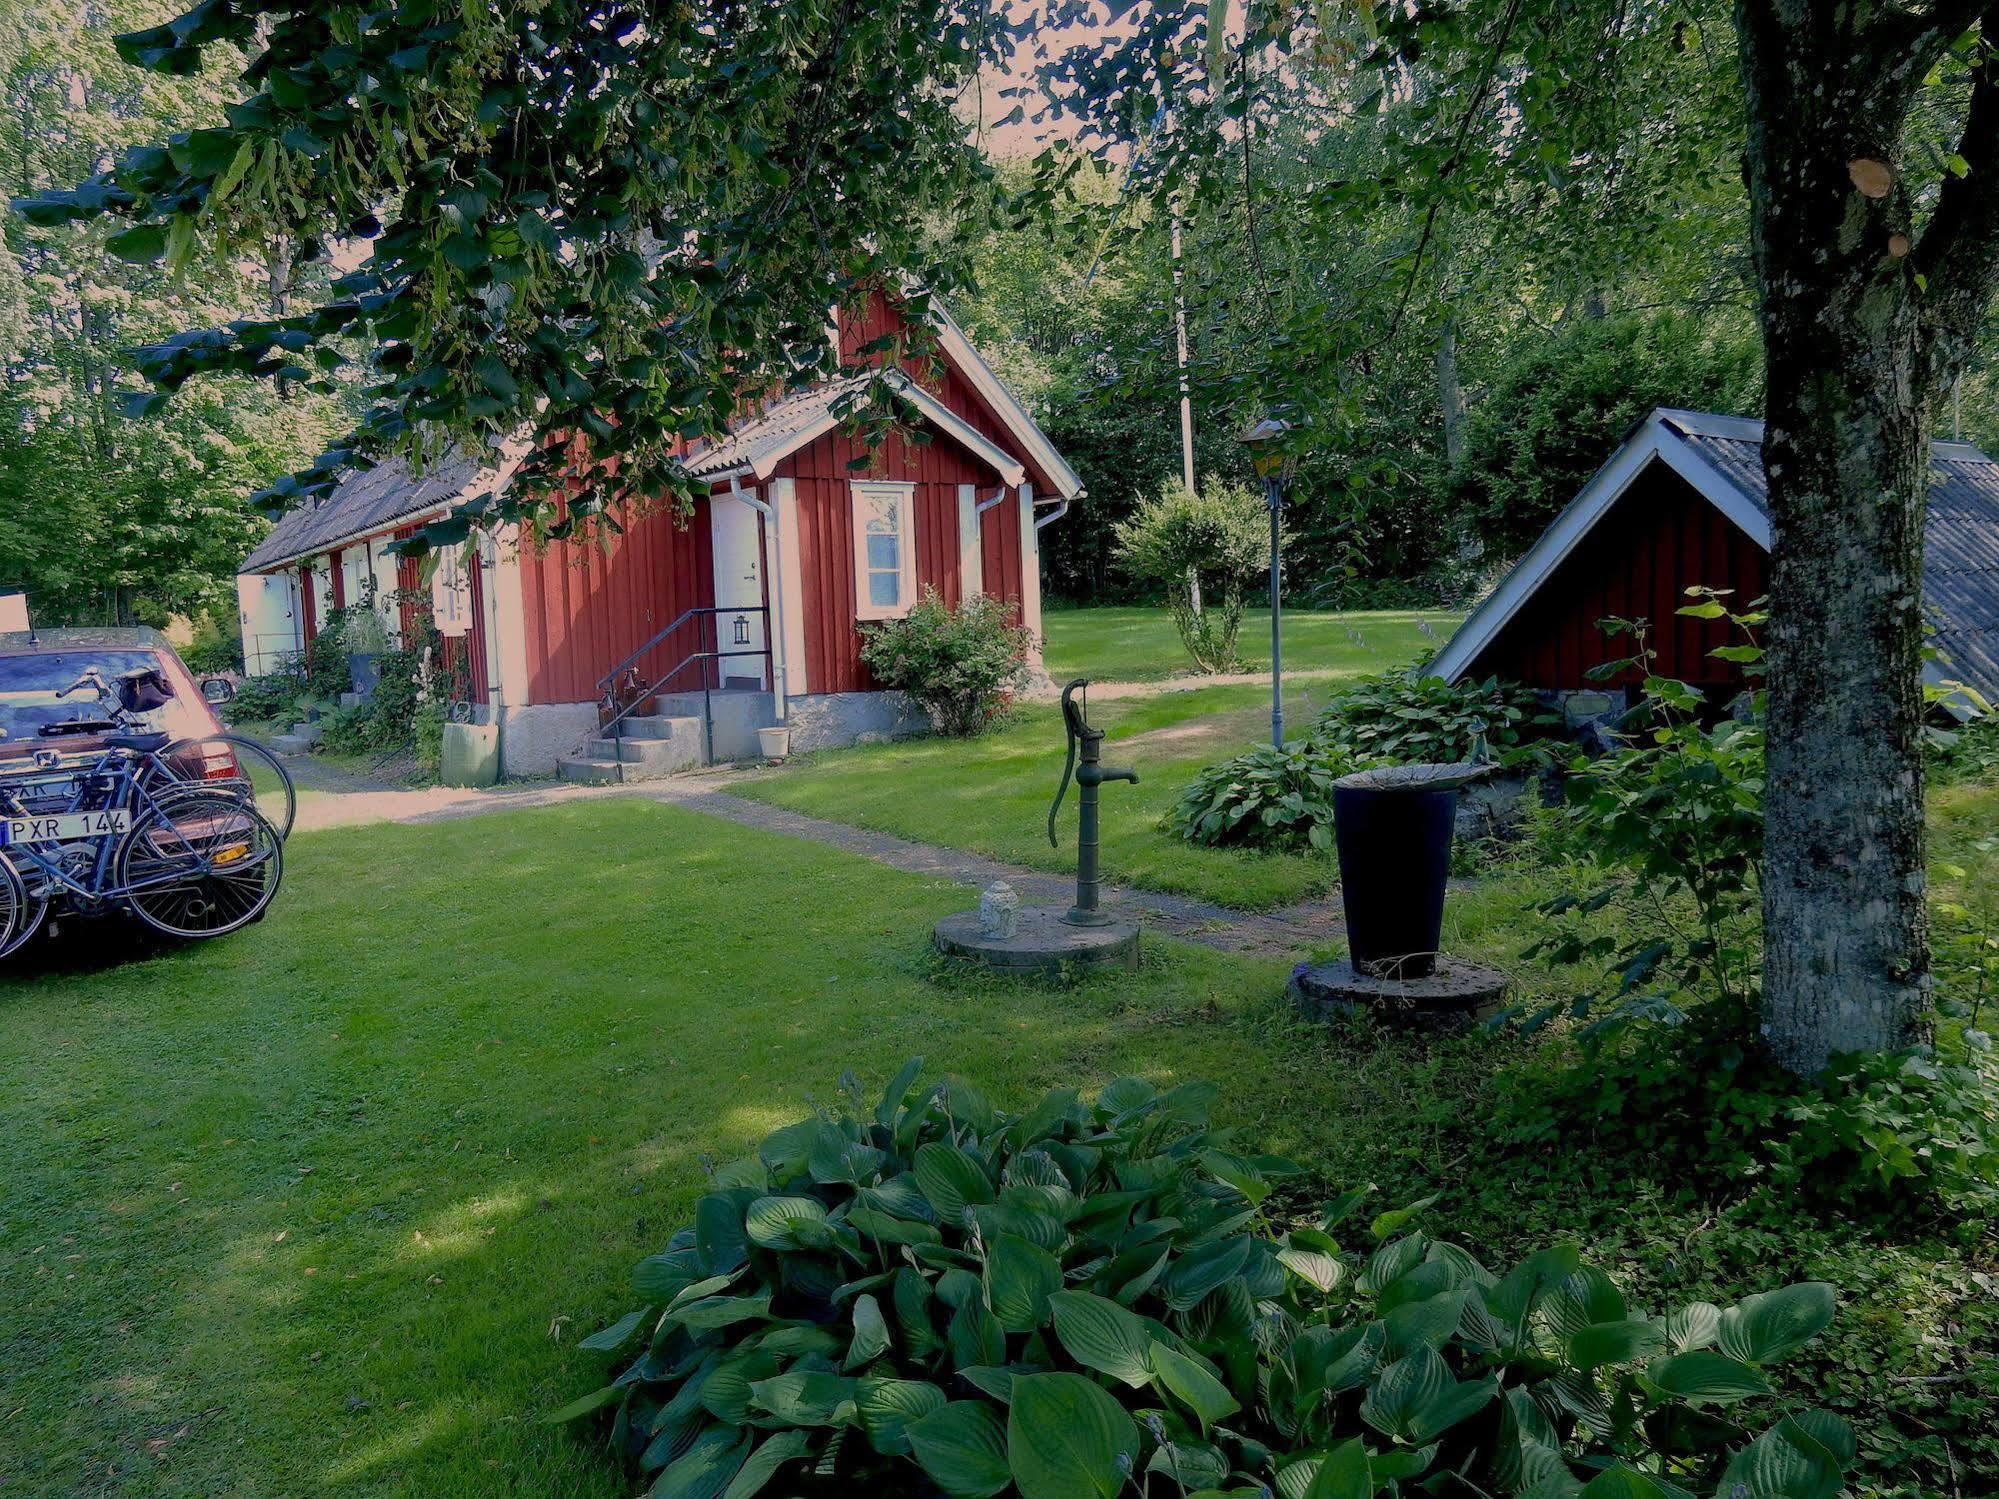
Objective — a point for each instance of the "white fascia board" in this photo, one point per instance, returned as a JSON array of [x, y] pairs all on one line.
[[970, 363], [1653, 439], [1562, 537], [942, 417]]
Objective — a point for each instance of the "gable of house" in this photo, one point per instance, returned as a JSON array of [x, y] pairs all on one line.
[[1683, 503]]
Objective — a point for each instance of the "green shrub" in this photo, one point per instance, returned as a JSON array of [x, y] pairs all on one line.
[[216, 646], [1401, 719], [1967, 753], [1264, 798], [1205, 548], [266, 699], [961, 666], [1089, 1298]]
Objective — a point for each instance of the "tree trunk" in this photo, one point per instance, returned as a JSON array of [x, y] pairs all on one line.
[[1846, 453]]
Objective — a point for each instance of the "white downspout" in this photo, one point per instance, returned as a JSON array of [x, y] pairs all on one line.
[[774, 579]]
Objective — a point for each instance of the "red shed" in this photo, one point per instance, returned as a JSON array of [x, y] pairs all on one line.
[[1682, 504], [745, 615]]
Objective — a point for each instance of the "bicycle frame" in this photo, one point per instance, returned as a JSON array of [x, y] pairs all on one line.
[[126, 792]]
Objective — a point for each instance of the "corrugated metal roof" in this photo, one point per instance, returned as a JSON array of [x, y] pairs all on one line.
[[773, 431], [371, 500], [1960, 534]]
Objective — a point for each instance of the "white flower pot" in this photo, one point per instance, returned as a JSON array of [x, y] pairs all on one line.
[[775, 743]]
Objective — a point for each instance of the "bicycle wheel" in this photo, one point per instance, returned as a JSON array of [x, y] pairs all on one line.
[[259, 776], [21, 910], [200, 865]]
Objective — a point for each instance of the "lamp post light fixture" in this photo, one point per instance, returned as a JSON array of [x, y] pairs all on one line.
[[1275, 463]]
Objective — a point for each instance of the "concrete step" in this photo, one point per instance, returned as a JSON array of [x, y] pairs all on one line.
[[660, 726], [659, 754], [594, 772], [309, 733], [289, 744]]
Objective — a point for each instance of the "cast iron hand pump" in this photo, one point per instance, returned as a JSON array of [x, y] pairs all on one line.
[[1085, 743]]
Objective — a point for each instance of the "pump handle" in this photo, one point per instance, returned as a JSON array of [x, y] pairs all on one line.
[[1075, 723]]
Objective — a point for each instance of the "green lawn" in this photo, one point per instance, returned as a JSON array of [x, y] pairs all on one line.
[[990, 795], [1139, 645], [322, 1207]]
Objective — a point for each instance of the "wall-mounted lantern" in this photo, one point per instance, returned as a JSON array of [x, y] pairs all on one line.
[[742, 629]]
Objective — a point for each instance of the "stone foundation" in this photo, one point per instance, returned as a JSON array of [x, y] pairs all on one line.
[[533, 738], [833, 720]]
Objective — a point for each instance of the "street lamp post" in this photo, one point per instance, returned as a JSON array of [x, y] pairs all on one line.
[[1274, 464]]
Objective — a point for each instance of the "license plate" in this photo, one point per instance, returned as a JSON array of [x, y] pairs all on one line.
[[64, 827]]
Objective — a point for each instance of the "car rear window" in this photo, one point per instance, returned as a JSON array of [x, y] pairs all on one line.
[[29, 684]]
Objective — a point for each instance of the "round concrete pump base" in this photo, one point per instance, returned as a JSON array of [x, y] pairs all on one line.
[[1042, 942], [1453, 998]]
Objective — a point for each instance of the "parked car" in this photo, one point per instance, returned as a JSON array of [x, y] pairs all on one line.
[[34, 667]]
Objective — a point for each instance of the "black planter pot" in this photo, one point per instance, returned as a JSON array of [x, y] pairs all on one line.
[[365, 667], [1393, 830]]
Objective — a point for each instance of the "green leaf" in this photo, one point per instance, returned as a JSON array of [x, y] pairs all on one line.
[[1759, 1329], [1196, 1388], [974, 1336], [584, 1405], [139, 244], [1342, 1474], [704, 1471], [870, 1333], [963, 1448], [1203, 1268], [619, 1333], [1417, 1399], [1614, 1342], [1702, 1375], [1620, 1482], [1393, 1221], [718, 1233], [1317, 1267], [806, 1397], [786, 1223], [1067, 1438], [951, 1181], [720, 1311], [1023, 1277], [1693, 1326], [888, 1406], [1104, 1336], [885, 1229], [764, 1463]]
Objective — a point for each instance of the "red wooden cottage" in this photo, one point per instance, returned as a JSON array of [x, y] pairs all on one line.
[[745, 614], [1683, 503]]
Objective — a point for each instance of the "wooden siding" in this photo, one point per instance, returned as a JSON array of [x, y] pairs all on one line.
[[1660, 538], [588, 607]]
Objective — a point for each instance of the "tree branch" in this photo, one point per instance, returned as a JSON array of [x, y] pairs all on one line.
[[1958, 255]]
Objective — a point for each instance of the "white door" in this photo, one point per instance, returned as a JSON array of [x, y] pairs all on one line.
[[739, 588]]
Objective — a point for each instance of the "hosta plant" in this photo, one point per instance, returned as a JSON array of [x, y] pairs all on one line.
[[926, 1295], [1265, 798], [1404, 718]]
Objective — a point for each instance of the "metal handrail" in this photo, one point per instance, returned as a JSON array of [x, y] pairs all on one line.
[[612, 727], [604, 682]]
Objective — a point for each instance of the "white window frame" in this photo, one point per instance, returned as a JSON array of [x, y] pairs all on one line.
[[903, 496]]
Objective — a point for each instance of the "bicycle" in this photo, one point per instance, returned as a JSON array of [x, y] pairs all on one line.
[[123, 831], [216, 762]]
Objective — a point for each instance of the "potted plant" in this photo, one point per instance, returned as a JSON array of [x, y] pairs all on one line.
[[367, 642]]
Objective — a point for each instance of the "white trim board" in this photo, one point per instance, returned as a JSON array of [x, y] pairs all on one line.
[[1653, 439]]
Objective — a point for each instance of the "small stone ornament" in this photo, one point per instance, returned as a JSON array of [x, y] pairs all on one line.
[[999, 910]]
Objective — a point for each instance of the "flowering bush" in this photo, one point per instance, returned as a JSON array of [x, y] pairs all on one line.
[[962, 665]]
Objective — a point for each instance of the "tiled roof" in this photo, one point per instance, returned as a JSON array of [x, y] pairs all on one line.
[[1960, 535], [366, 501]]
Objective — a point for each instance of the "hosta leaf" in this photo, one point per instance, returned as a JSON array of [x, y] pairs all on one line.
[[975, 1337], [1702, 1375], [1390, 1263], [1620, 1482], [1693, 1326], [1201, 1269], [951, 1181], [1023, 1277], [912, 1313], [1759, 1329], [806, 1397], [720, 1311], [1798, 1458], [1104, 1336], [1194, 1385], [1614, 1342], [1195, 1466], [584, 1405], [617, 1335], [870, 1333], [1588, 1296], [1314, 1266], [705, 1469], [786, 1223], [887, 1407], [1396, 1219], [1418, 1399], [763, 1464], [1067, 1438], [718, 1233], [963, 1448], [1342, 1474], [884, 1229], [1427, 1323]]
